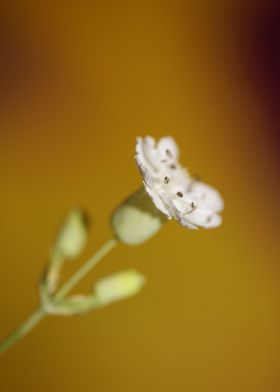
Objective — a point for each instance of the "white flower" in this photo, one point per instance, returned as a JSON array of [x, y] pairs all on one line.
[[174, 192]]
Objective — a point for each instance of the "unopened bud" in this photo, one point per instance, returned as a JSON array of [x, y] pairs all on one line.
[[72, 235], [70, 306], [119, 286], [137, 219]]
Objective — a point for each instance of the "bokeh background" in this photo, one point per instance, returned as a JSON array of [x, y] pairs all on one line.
[[78, 82]]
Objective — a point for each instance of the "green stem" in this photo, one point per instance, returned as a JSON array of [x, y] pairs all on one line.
[[25, 327], [85, 268], [39, 314]]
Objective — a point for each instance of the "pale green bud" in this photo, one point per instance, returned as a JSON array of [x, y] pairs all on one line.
[[137, 219], [70, 306], [118, 286], [73, 233]]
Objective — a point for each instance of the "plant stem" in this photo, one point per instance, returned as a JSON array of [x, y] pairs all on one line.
[[85, 268], [25, 327], [39, 314]]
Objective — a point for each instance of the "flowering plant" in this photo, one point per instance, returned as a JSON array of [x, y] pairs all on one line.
[[168, 192]]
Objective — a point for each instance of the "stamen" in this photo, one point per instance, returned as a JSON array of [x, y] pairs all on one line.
[[173, 167], [168, 153], [166, 180], [193, 208], [180, 194]]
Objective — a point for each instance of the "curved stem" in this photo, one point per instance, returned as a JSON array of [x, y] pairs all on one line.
[[39, 314]]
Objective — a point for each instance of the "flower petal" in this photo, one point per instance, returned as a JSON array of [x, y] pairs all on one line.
[[209, 195], [168, 148], [147, 156], [157, 199]]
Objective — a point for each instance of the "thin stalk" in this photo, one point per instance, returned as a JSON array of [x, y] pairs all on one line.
[[85, 268], [23, 329], [39, 314]]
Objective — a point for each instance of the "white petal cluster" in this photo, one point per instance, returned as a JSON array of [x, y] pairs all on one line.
[[174, 192]]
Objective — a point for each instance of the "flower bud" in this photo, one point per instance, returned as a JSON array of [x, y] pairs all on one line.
[[76, 304], [72, 235], [137, 219], [119, 286]]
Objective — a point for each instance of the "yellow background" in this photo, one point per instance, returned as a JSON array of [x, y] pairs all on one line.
[[80, 81]]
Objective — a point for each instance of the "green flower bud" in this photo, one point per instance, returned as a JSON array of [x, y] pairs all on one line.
[[72, 234], [77, 304], [118, 286], [137, 219]]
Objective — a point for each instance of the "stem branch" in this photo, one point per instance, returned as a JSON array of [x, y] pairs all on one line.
[[39, 314], [85, 268]]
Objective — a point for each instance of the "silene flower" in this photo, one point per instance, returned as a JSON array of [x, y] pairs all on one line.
[[168, 192], [173, 191]]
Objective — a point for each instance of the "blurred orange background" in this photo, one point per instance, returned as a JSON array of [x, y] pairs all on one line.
[[79, 81]]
